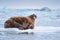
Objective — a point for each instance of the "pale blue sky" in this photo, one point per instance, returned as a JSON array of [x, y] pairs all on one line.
[[30, 3]]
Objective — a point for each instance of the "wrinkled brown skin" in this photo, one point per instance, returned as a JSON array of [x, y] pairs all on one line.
[[21, 22]]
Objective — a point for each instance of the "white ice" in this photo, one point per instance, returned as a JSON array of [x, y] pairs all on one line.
[[35, 30]]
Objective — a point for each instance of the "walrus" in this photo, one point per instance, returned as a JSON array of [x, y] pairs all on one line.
[[21, 22]]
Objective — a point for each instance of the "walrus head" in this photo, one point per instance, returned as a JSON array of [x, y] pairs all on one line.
[[33, 16]]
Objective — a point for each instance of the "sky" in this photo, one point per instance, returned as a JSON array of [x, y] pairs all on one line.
[[29, 4]]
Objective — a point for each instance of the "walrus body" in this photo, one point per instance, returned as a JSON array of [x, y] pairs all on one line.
[[21, 22]]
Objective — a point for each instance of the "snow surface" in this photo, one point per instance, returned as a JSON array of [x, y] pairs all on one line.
[[39, 33], [35, 30]]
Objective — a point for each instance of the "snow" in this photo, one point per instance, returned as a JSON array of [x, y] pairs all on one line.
[[35, 30], [38, 33]]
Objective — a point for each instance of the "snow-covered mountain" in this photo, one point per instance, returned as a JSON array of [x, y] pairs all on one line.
[[45, 9]]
